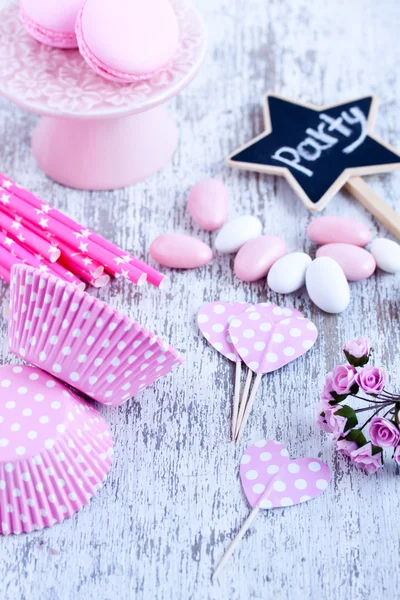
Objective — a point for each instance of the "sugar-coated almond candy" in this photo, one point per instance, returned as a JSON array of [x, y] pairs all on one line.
[[387, 254], [237, 232], [327, 285], [356, 262], [256, 257], [208, 203], [334, 229], [180, 251], [288, 274]]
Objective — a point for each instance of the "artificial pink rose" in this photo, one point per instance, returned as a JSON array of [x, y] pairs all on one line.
[[323, 406], [343, 378], [321, 422], [397, 455], [327, 389], [336, 422], [346, 447], [358, 348], [371, 380], [383, 433], [363, 458]]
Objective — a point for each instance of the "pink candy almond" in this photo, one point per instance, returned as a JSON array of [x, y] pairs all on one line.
[[356, 262], [256, 257], [180, 251], [208, 203], [334, 229]]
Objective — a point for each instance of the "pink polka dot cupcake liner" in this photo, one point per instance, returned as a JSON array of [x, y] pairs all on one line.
[[55, 450], [83, 341]]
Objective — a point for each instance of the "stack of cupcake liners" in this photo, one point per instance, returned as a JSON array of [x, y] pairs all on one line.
[[55, 447], [83, 341], [56, 450]]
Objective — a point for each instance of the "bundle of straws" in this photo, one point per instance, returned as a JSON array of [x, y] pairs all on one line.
[[34, 233]]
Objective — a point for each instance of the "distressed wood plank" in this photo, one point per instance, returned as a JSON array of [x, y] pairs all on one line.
[[173, 499]]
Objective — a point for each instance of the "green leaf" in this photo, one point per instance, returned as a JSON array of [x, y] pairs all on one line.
[[376, 449], [354, 389], [357, 436], [338, 397], [349, 413], [356, 362]]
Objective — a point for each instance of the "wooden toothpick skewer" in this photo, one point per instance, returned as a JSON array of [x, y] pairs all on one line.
[[236, 397], [243, 401], [246, 525], [249, 406], [235, 543]]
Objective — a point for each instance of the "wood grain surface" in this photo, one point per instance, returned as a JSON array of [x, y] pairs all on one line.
[[173, 500]]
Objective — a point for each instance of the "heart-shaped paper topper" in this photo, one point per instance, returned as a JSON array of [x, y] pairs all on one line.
[[270, 479], [265, 343], [213, 321]]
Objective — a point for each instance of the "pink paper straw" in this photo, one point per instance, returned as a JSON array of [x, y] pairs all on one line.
[[20, 252], [40, 263], [101, 281], [71, 270], [153, 276], [61, 232], [67, 275], [83, 272], [5, 274], [81, 262], [25, 236], [7, 260]]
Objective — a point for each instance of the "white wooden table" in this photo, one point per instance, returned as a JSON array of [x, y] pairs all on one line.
[[173, 499]]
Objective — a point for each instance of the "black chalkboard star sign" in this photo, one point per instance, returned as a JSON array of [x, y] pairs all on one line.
[[319, 150]]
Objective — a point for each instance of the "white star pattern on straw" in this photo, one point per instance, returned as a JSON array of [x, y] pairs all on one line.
[[7, 184], [124, 274], [83, 247], [38, 256], [43, 268], [44, 223], [16, 225], [127, 258], [119, 260], [20, 237], [46, 208], [87, 261], [5, 199], [8, 242], [86, 233]]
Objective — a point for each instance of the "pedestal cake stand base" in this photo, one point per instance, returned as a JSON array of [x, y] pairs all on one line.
[[105, 154]]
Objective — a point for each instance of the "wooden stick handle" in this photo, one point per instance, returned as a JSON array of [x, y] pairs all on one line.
[[243, 401], [249, 406], [236, 397], [374, 204], [235, 543]]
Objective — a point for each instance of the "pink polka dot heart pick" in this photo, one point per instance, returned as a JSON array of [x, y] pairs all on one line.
[[213, 320], [270, 479], [268, 337]]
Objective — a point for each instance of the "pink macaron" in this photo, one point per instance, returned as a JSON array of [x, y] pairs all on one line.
[[127, 40], [52, 23]]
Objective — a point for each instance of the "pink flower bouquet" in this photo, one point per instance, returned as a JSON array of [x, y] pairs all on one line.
[[366, 384]]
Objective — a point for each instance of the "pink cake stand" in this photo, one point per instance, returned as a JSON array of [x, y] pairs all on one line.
[[95, 134]]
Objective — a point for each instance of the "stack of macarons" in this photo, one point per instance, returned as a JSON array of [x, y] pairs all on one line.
[[122, 40]]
